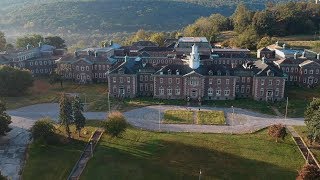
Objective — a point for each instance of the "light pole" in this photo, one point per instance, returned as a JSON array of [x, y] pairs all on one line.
[[285, 116], [91, 148], [232, 114], [159, 118]]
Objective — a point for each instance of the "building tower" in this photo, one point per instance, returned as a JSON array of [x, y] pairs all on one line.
[[194, 61]]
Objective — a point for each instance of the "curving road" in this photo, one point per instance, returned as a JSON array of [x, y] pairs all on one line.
[[13, 146]]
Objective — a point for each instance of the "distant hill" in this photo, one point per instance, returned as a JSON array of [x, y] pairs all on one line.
[[107, 16]]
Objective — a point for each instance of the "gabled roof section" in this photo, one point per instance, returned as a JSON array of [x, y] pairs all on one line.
[[193, 73], [144, 44], [267, 69], [309, 62]]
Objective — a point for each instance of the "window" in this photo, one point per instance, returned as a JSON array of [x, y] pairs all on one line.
[[141, 78], [141, 87], [114, 79], [227, 81], [114, 89], [40, 63], [146, 87], [292, 69], [95, 67], [151, 78], [242, 89], [278, 82], [99, 67], [96, 75], [31, 63], [161, 91], [170, 80], [104, 67], [227, 92], [78, 76], [100, 76], [36, 63], [305, 71], [304, 80], [262, 81], [82, 68], [237, 88], [248, 79], [296, 70], [317, 71], [243, 79], [270, 82], [210, 92], [151, 87], [218, 81], [218, 92], [128, 89], [128, 79], [295, 78], [45, 62], [177, 91], [277, 92], [104, 75], [121, 79], [161, 80], [88, 77], [210, 81], [311, 71], [261, 92], [248, 90], [316, 80], [146, 78], [177, 80], [87, 68], [41, 70], [169, 91], [287, 69]]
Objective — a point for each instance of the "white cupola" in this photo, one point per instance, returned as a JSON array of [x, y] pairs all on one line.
[[194, 61]]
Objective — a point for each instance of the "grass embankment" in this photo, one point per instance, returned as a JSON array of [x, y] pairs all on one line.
[[43, 92], [152, 155], [56, 161], [315, 147]]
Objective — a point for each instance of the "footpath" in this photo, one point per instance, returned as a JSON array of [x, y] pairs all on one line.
[[86, 155]]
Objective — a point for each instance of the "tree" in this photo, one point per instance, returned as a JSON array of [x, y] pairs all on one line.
[[309, 172], [5, 120], [65, 115], [79, 119], [158, 38], [9, 47], [14, 81], [312, 120], [2, 177], [3, 41], [33, 40], [266, 41], [43, 130], [277, 131], [55, 77], [248, 39], [264, 22], [241, 18], [116, 124], [55, 41]]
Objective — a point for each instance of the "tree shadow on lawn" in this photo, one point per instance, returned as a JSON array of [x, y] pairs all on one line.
[[161, 159]]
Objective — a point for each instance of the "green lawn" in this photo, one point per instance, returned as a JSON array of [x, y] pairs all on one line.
[[178, 117], [43, 92], [211, 117], [56, 161], [152, 155], [315, 148]]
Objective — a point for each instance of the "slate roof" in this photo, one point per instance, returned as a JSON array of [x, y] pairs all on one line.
[[264, 69], [144, 44]]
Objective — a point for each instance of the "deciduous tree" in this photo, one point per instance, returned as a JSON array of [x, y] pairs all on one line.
[[277, 131], [79, 119], [312, 120], [43, 130], [55, 41], [309, 172], [116, 124], [33, 40], [5, 120], [241, 18]]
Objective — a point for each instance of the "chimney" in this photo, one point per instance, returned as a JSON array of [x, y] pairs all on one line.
[[284, 46], [96, 54], [277, 43], [40, 44], [75, 53], [264, 60], [111, 43], [303, 54], [104, 44], [126, 58], [318, 56], [295, 55], [177, 72]]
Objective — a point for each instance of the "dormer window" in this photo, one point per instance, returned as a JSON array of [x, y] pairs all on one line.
[[177, 72], [219, 73], [121, 71], [169, 72], [210, 73]]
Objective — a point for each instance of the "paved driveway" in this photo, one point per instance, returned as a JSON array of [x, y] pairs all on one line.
[[13, 146]]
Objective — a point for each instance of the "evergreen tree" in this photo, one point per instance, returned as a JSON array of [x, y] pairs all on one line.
[[241, 18], [65, 114], [79, 119], [5, 120]]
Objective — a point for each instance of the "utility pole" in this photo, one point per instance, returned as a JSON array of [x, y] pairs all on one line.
[[285, 116], [159, 119]]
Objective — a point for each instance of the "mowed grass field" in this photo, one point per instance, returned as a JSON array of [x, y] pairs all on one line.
[[56, 161], [211, 117], [178, 117], [153, 155]]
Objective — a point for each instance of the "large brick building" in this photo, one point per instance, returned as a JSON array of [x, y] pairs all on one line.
[[194, 78]]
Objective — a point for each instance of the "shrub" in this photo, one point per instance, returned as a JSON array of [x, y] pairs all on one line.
[[277, 131], [43, 130], [2, 177], [116, 124], [309, 172], [5, 120]]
